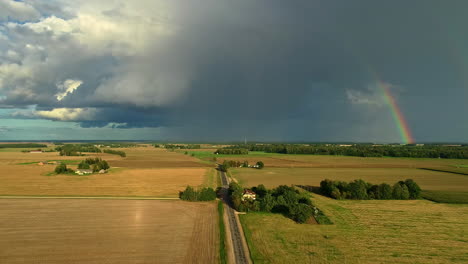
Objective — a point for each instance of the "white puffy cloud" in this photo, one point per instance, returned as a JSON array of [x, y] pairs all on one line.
[[17, 10], [67, 87], [69, 114]]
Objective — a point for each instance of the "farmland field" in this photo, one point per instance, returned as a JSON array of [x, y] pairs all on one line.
[[146, 171], [107, 231], [428, 180], [327, 161], [363, 232]]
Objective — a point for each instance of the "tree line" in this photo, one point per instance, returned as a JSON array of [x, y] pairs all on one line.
[[23, 145], [283, 199], [116, 152], [232, 151], [204, 194], [361, 190], [76, 150], [363, 150], [238, 164], [190, 146], [95, 164]]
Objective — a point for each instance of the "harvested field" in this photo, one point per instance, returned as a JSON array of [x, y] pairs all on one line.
[[317, 161], [149, 157], [167, 182], [428, 180], [364, 232], [145, 172], [107, 231]]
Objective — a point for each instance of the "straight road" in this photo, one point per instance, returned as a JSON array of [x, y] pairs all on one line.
[[237, 236]]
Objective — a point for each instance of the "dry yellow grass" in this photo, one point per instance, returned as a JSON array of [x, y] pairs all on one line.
[[429, 180], [364, 232], [149, 157], [107, 231], [167, 182]]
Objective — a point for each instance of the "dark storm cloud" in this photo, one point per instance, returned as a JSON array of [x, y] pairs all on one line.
[[269, 70]]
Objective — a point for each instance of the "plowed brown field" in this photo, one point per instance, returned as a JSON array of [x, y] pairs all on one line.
[[107, 231]]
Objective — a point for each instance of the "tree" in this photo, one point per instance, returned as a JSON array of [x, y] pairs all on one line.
[[260, 165], [206, 194], [61, 168], [83, 165], [384, 192], [300, 213], [400, 192], [413, 188], [189, 194], [358, 190], [267, 203]]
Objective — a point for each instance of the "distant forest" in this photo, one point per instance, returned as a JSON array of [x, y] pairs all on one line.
[[411, 151], [23, 145]]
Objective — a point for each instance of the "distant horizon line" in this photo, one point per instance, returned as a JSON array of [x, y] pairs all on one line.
[[237, 142]]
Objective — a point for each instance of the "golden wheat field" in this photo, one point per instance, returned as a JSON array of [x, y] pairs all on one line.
[[363, 232], [146, 171], [107, 231]]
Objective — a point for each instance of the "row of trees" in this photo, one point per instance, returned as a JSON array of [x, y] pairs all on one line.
[[363, 150], [361, 190], [238, 164], [204, 194], [190, 146], [116, 152], [283, 199], [23, 145], [76, 150], [232, 151], [96, 164]]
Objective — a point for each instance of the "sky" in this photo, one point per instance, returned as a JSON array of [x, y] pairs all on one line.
[[219, 70]]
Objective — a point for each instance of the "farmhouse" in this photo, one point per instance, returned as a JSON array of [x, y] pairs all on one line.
[[248, 195], [83, 171]]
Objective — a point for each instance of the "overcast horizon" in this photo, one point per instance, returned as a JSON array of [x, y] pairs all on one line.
[[219, 71]]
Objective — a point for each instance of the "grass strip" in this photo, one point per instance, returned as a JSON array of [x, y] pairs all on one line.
[[222, 234], [446, 197]]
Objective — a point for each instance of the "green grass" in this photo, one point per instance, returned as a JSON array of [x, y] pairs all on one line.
[[415, 231], [211, 178], [446, 197], [222, 234], [210, 154], [272, 177]]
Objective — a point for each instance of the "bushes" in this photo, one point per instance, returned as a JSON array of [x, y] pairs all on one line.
[[260, 165], [361, 190], [190, 194], [116, 152], [62, 169], [283, 199], [96, 164]]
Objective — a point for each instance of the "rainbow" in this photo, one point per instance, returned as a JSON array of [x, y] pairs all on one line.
[[400, 121]]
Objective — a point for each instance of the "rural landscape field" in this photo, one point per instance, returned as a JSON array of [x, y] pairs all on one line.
[[78, 215], [233, 132]]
